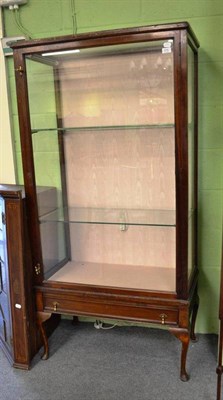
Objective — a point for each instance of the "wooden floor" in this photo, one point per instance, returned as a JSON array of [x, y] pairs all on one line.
[[123, 276]]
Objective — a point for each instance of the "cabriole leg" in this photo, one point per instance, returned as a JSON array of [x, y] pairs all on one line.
[[184, 336], [193, 318], [41, 318]]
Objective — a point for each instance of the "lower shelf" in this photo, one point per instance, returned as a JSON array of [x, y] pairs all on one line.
[[121, 276]]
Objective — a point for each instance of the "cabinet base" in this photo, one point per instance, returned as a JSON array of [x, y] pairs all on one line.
[[101, 303]]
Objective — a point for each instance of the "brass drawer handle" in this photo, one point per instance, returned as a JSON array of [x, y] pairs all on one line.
[[163, 318], [55, 305]]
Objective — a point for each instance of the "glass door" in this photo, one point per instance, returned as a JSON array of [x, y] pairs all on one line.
[[103, 134]]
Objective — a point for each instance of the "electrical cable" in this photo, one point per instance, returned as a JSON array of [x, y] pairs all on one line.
[[23, 29], [17, 20], [73, 16], [100, 325], [106, 328]]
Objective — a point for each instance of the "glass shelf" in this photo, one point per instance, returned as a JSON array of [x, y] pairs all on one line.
[[106, 127], [122, 217]]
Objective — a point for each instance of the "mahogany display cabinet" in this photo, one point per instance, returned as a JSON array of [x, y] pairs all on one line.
[[108, 121]]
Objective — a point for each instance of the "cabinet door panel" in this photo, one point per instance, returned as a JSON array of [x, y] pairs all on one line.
[[5, 316]]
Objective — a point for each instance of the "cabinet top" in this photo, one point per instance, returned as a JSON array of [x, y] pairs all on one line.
[[11, 190], [106, 33]]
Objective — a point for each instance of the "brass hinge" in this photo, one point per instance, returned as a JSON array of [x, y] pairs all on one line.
[[11, 341], [3, 218], [37, 269]]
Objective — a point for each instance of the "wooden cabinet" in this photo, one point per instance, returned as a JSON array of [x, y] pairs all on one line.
[[108, 123], [19, 334], [17, 316]]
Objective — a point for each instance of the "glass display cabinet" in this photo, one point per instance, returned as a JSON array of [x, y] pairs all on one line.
[[108, 125]]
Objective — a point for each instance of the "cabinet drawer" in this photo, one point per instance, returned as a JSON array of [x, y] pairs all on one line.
[[119, 310]]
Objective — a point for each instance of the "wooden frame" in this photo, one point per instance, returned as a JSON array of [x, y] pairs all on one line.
[[170, 308]]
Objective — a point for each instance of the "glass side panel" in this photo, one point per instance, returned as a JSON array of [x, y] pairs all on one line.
[[191, 163], [42, 103], [107, 141]]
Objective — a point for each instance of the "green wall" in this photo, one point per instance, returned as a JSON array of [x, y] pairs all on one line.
[[44, 18]]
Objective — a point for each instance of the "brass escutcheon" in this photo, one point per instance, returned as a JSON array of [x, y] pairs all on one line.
[[55, 305], [163, 318]]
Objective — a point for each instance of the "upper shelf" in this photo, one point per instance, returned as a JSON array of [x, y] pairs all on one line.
[[114, 216], [103, 128]]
